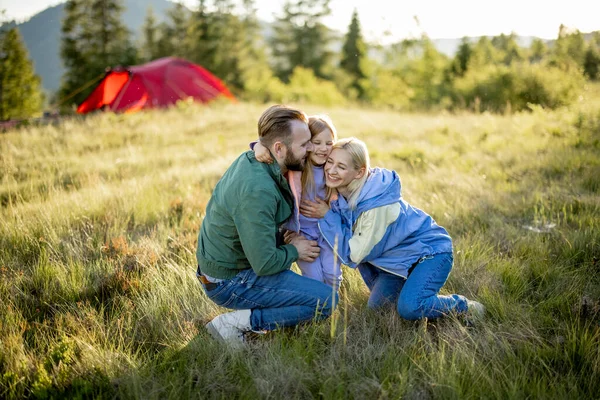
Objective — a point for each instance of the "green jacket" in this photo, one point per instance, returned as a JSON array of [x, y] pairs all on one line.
[[239, 230]]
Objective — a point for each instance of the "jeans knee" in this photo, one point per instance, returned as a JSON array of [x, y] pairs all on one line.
[[409, 310], [376, 303], [373, 305]]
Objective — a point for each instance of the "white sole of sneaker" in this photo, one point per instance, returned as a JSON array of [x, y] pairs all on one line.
[[214, 332]]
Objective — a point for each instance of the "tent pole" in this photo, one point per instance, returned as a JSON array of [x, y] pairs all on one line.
[[85, 86]]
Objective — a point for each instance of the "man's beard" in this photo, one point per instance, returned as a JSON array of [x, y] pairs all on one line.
[[294, 164]]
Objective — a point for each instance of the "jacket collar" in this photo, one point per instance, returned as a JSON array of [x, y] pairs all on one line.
[[274, 171]]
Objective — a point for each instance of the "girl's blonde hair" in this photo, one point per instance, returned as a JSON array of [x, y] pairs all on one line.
[[359, 154], [316, 124]]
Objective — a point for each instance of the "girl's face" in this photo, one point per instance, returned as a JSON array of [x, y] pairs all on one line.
[[340, 171], [322, 143]]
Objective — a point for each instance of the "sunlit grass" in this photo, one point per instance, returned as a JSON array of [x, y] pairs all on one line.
[[98, 225]]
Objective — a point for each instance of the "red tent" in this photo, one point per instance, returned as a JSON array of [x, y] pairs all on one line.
[[156, 84]]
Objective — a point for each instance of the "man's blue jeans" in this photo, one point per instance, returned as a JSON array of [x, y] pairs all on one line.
[[279, 300], [416, 297]]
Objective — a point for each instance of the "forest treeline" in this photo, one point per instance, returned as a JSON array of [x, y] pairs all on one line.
[[301, 60]]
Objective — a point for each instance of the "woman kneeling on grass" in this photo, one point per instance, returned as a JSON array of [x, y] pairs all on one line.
[[403, 256]]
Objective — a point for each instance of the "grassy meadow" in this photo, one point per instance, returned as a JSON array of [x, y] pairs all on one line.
[[99, 219]]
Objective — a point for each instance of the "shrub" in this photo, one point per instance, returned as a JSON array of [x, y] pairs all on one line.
[[260, 85], [304, 86], [498, 87], [344, 83], [388, 90]]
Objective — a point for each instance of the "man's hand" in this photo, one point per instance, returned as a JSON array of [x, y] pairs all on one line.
[[308, 250], [311, 209]]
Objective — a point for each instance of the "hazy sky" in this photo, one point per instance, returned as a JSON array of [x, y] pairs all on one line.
[[381, 19]]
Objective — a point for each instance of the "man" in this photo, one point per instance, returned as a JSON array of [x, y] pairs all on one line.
[[242, 262]]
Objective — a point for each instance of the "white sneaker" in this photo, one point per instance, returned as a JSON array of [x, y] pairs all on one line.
[[230, 327], [475, 309]]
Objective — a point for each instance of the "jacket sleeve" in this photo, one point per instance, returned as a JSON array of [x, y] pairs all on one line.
[[336, 233], [255, 221], [370, 229]]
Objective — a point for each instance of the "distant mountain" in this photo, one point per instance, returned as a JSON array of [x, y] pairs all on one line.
[[42, 34], [450, 46]]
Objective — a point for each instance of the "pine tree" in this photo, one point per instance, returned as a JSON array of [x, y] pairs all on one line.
[[253, 41], [227, 33], [591, 62], [484, 53], [224, 40], [354, 55], [576, 46], [94, 39], [150, 29], [301, 39], [426, 75], [202, 45], [560, 55], [20, 95], [460, 64], [508, 47], [538, 51], [174, 33], [568, 51], [249, 50], [257, 77]]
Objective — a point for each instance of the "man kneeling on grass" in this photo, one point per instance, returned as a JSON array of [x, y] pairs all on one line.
[[243, 263]]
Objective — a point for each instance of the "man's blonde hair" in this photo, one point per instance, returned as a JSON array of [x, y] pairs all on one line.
[[274, 124]]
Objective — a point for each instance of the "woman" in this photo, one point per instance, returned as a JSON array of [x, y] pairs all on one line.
[[403, 256]]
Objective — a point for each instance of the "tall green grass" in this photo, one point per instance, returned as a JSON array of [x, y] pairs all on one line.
[[98, 225]]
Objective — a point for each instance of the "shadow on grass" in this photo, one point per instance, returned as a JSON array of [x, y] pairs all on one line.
[[370, 356]]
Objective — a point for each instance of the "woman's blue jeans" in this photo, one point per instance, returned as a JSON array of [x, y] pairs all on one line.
[[416, 297], [282, 299]]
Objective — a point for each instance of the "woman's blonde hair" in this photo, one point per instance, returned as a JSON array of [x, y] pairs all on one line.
[[316, 124], [359, 154]]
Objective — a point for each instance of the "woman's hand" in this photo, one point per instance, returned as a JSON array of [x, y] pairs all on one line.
[[262, 154], [313, 209]]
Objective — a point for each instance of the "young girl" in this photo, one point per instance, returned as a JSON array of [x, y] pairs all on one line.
[[403, 255], [310, 185]]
